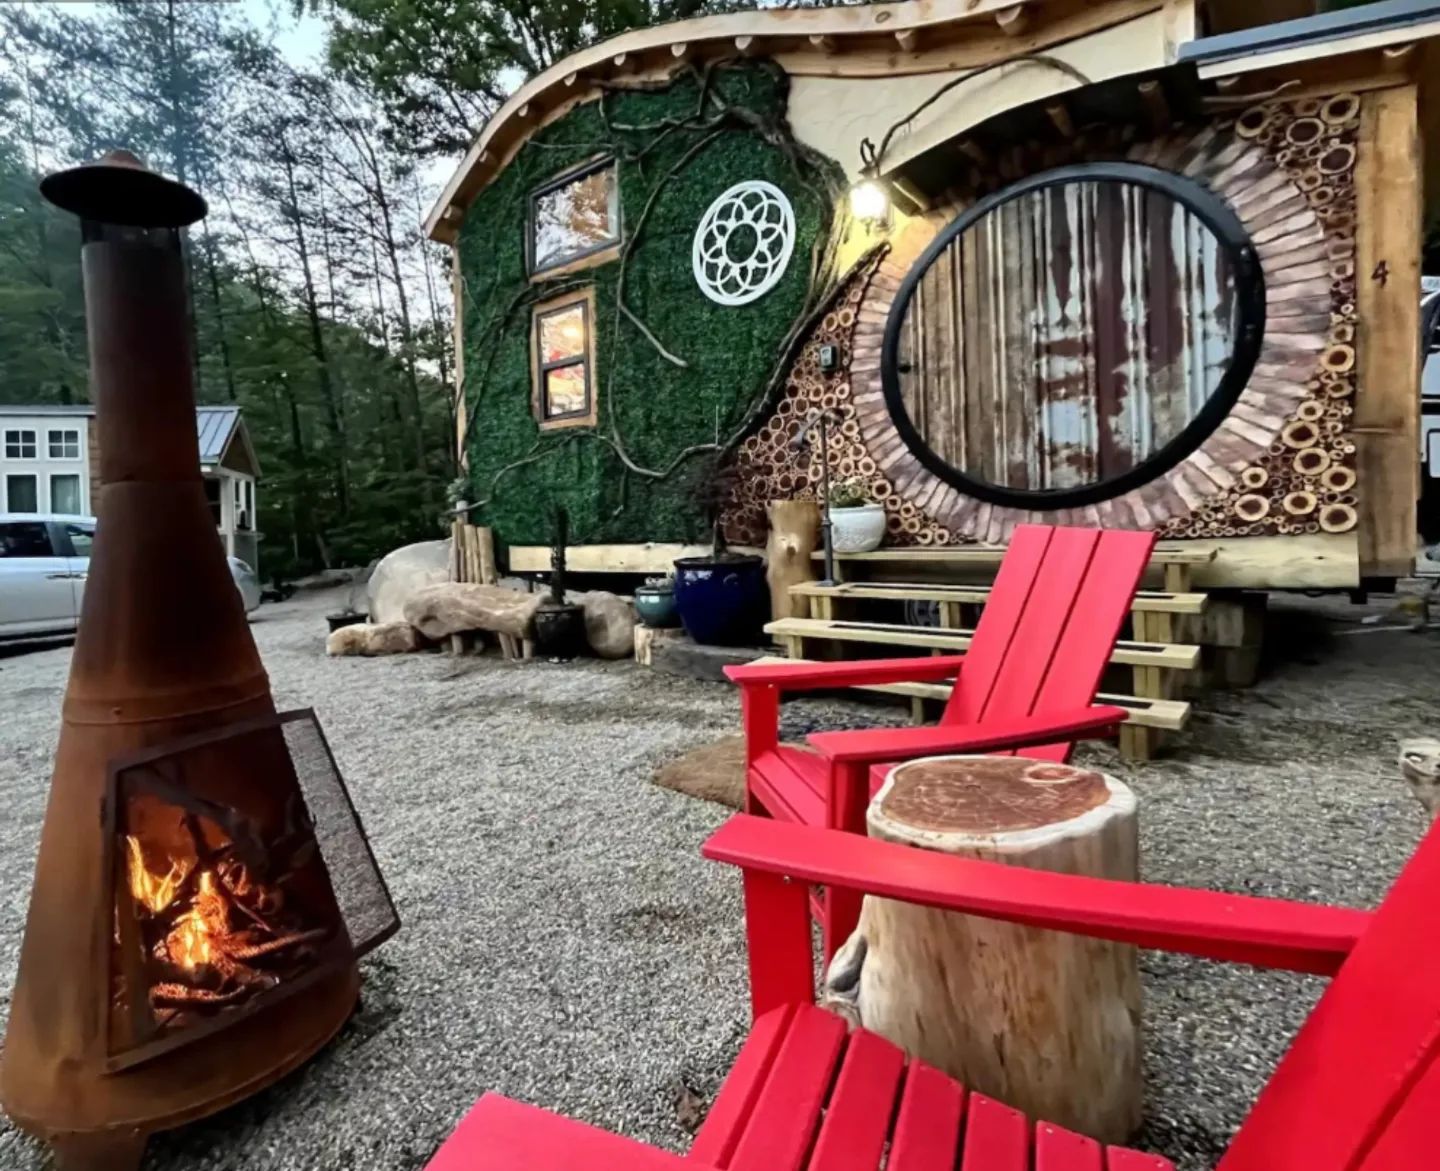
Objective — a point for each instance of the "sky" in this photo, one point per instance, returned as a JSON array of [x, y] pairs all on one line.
[[302, 41]]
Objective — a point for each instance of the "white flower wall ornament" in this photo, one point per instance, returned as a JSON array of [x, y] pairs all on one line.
[[744, 242]]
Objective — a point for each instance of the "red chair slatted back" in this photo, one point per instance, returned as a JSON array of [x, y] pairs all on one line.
[[1359, 1088], [1050, 625]]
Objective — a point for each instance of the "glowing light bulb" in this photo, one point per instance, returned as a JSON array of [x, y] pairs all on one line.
[[869, 201]]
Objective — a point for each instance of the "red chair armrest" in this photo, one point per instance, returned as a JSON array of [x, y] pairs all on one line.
[[818, 676], [499, 1134], [875, 745], [1269, 933]]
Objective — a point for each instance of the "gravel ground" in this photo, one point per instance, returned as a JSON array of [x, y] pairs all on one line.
[[563, 942]]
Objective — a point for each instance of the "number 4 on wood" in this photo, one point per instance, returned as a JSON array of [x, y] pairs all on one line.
[[1381, 273]]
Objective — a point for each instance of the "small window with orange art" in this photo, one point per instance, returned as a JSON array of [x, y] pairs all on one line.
[[563, 348]]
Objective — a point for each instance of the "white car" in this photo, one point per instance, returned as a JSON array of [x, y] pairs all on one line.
[[44, 560]]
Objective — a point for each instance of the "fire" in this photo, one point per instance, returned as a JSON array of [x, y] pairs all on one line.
[[153, 892], [193, 940]]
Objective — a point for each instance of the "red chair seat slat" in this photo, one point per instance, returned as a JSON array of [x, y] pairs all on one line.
[[997, 1138], [1058, 1149], [725, 1122], [791, 783], [783, 1123], [927, 1128], [857, 1121]]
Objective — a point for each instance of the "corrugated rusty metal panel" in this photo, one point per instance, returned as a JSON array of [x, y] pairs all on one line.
[[1067, 336]]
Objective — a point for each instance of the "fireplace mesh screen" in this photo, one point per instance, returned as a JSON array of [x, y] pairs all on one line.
[[360, 890], [241, 874]]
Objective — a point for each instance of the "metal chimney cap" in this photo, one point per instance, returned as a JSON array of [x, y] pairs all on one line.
[[119, 189]]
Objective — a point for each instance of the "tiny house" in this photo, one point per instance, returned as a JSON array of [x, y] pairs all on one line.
[[1134, 263]]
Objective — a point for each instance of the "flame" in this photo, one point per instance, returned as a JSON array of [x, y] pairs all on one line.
[[192, 942], [151, 891]]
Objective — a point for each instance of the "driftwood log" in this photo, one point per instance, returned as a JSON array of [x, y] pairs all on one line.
[[1046, 1022], [794, 533]]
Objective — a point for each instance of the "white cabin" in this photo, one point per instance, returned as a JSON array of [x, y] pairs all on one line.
[[50, 463]]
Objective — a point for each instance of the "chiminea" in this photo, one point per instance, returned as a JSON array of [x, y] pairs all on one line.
[[204, 887]]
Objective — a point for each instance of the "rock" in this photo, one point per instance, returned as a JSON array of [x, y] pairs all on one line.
[[363, 638], [609, 625], [401, 572], [1420, 766], [454, 607]]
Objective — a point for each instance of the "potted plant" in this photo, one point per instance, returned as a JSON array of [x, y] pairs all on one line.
[[655, 602], [857, 523], [559, 625], [722, 598]]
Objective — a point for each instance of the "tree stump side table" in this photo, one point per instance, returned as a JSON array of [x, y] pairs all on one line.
[[1046, 1022]]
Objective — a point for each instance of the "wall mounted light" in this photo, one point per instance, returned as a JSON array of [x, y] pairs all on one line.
[[870, 203]]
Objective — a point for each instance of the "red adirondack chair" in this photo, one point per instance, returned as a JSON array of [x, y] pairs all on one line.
[[1359, 1089], [1027, 682]]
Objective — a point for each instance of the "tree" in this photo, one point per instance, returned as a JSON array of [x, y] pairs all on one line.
[[439, 68]]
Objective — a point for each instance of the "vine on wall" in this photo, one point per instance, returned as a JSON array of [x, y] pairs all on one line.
[[680, 380]]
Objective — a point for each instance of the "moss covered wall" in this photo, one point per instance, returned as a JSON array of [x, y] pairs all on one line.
[[677, 147]]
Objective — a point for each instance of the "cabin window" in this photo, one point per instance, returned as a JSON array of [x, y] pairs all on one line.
[[65, 495], [64, 444], [564, 361], [575, 217], [19, 444], [1074, 336]]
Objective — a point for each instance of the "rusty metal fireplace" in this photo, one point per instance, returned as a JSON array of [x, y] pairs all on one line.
[[204, 887]]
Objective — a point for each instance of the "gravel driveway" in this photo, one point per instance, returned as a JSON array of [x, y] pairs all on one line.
[[563, 942]]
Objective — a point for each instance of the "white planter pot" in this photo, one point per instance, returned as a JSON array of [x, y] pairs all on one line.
[[857, 530]]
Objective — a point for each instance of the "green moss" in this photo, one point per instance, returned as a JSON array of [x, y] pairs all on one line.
[[653, 408]]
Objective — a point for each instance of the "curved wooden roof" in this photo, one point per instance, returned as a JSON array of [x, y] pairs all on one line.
[[874, 40]]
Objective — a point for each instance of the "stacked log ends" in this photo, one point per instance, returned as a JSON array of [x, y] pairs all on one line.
[[1046, 1022]]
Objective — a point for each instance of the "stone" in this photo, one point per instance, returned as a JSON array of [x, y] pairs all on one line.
[[609, 625], [454, 607], [1420, 766], [366, 638], [400, 573]]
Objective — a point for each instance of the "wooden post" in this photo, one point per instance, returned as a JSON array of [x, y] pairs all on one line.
[[486, 574], [1388, 231], [1046, 1022], [794, 533]]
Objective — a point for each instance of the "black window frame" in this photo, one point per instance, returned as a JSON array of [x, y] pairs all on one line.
[[543, 368], [20, 443], [564, 179], [51, 432], [1249, 277]]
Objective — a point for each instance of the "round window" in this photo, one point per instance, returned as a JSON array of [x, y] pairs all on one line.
[[1074, 335]]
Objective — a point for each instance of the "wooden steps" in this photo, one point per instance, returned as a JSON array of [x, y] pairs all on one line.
[[1175, 564], [793, 632], [1167, 715], [1146, 601]]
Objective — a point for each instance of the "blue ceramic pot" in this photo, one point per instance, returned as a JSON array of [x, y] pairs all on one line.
[[655, 604], [722, 602]]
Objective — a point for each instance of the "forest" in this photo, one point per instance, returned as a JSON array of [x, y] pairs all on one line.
[[317, 304]]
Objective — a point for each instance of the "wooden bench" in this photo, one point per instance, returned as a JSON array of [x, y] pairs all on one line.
[[1165, 715]]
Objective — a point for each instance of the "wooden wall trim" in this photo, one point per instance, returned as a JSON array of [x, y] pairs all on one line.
[[1388, 229], [457, 325]]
